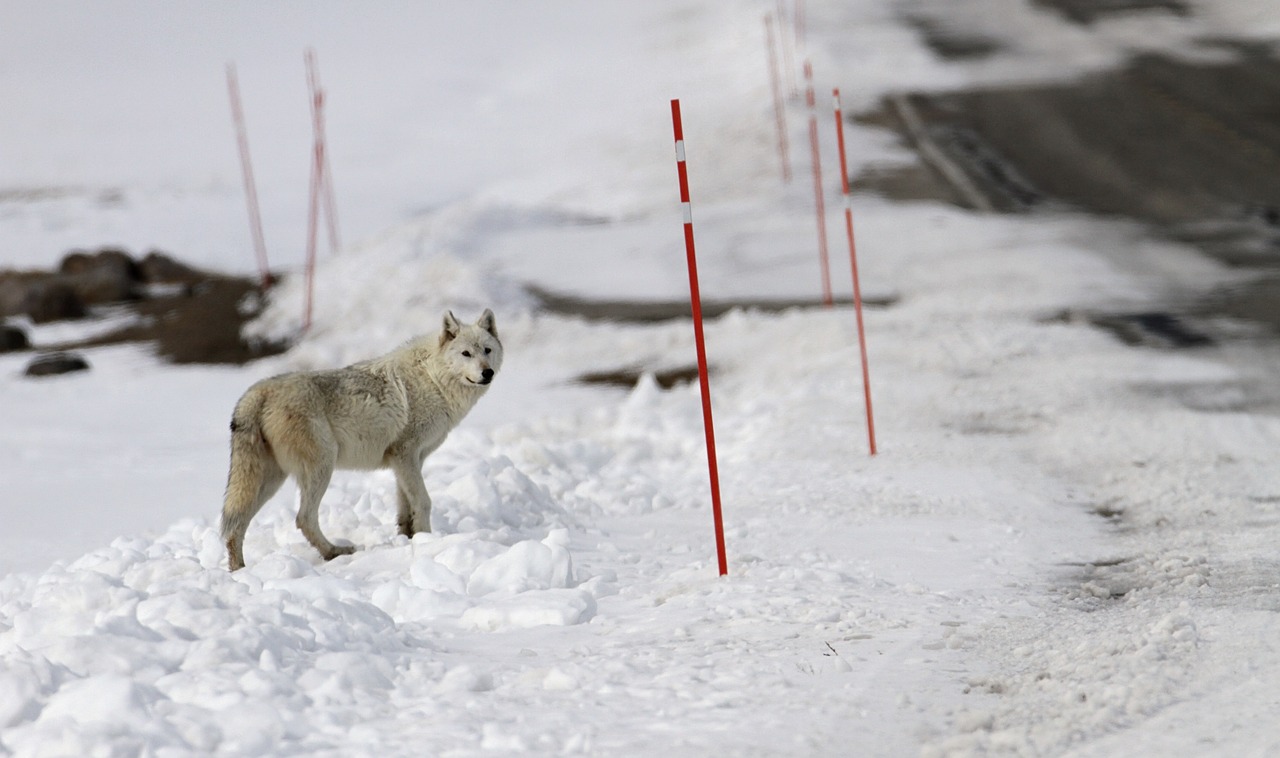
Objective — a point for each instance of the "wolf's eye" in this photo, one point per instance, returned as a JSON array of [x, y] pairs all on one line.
[[466, 353], [487, 351]]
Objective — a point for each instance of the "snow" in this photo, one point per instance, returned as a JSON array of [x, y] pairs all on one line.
[[1063, 546]]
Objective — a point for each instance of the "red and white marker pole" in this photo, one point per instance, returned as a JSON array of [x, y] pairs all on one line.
[[326, 174], [321, 188], [695, 300], [853, 262], [779, 111], [819, 205], [313, 212], [801, 23], [788, 57], [250, 187]]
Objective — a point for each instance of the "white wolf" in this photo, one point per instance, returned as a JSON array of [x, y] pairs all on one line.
[[389, 412]]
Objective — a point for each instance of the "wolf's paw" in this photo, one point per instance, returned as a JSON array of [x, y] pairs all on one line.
[[339, 550], [409, 530]]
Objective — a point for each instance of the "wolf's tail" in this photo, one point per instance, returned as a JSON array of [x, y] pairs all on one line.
[[249, 460]]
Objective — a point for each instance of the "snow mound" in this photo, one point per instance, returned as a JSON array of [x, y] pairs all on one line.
[[398, 283], [152, 643], [140, 643]]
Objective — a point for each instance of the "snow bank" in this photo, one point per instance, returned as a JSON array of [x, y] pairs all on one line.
[[152, 643], [961, 592]]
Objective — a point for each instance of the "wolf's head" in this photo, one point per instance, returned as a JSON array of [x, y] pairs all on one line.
[[472, 353]]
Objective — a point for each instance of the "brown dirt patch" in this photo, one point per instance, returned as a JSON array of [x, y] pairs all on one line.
[[199, 325]]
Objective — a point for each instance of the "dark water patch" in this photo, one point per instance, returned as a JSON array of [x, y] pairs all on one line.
[[1091, 11], [1257, 301], [951, 43], [1152, 329], [654, 311], [1160, 329], [630, 377], [1111, 512]]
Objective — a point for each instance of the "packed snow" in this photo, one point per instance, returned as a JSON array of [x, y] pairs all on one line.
[[1063, 547]]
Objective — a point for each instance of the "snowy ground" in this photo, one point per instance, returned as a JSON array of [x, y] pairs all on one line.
[[1061, 549]]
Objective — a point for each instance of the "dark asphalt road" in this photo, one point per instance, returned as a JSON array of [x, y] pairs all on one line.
[[1190, 149]]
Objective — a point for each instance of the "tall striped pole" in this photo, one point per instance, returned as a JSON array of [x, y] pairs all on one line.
[[853, 263], [788, 51], [321, 187], [313, 207], [779, 112], [801, 23], [326, 174], [819, 205], [246, 168], [695, 301]]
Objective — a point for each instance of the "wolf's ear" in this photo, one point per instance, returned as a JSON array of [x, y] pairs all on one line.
[[451, 327], [487, 323]]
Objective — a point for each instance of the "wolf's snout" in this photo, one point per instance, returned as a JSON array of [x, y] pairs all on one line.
[[486, 376]]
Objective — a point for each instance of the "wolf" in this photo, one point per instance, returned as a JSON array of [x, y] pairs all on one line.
[[388, 412]]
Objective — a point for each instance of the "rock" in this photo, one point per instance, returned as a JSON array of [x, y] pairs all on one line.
[[158, 268], [13, 292], [108, 276], [52, 299], [118, 261], [103, 285], [53, 364], [75, 262], [13, 339]]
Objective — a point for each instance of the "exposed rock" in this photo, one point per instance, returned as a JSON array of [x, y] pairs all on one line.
[[117, 261], [51, 299], [158, 268], [108, 276], [53, 364], [189, 315], [13, 339], [99, 286], [13, 291]]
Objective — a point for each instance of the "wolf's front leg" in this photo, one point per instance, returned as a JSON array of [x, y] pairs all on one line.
[[414, 511]]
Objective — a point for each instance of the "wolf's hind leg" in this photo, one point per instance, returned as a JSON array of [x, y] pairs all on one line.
[[251, 483], [414, 511], [312, 484]]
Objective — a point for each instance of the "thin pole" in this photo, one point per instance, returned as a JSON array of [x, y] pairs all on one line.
[[779, 111], [853, 263], [788, 56], [326, 173], [246, 169], [312, 223], [800, 25], [695, 300], [819, 205], [316, 189]]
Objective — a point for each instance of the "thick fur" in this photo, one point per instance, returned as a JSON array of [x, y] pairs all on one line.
[[389, 412]]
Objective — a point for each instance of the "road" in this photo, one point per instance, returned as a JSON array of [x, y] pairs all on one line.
[[1188, 146]]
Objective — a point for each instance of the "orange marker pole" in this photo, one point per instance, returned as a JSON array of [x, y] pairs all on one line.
[[326, 174], [695, 300], [321, 187], [246, 168], [853, 262], [779, 111], [313, 211], [788, 55], [819, 206]]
